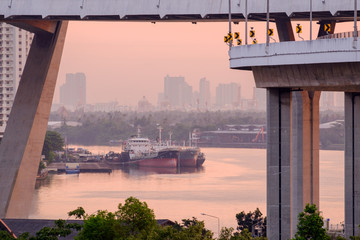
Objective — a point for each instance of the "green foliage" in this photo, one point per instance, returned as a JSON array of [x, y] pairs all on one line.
[[228, 234], [98, 128], [252, 220], [310, 225], [53, 142], [98, 226], [41, 166], [5, 236], [134, 219], [61, 229], [79, 213], [340, 238], [189, 229]]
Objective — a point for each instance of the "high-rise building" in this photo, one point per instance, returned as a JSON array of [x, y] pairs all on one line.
[[339, 100], [228, 95], [14, 48], [259, 95], [73, 91], [327, 100], [177, 92], [144, 105], [204, 94]]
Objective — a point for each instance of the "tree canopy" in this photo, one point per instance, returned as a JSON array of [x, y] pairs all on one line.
[[310, 225], [53, 142], [135, 220], [252, 221]]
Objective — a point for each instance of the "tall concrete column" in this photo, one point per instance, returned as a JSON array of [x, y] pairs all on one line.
[[278, 164], [20, 150], [284, 29], [352, 164], [305, 152]]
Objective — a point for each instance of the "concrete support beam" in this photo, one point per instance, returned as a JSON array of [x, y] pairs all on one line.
[[314, 77], [322, 31], [35, 26], [278, 164], [284, 29], [352, 164], [21, 146], [305, 152]]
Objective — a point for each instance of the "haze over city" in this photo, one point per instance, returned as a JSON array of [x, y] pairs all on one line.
[[126, 61]]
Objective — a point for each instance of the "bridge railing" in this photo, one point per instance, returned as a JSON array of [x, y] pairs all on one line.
[[339, 35]]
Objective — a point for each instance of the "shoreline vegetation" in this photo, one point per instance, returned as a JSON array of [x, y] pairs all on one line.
[[100, 128], [134, 220]]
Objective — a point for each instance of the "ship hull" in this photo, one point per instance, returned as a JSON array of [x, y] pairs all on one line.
[[188, 157], [156, 162], [188, 162]]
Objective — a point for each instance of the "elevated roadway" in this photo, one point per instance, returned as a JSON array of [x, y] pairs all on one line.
[[175, 10]]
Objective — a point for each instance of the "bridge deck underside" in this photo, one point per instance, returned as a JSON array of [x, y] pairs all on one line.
[[184, 10], [325, 77]]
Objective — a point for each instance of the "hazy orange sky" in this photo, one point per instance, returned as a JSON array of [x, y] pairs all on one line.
[[124, 61]]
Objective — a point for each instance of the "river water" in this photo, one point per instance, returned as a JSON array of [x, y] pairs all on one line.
[[231, 180]]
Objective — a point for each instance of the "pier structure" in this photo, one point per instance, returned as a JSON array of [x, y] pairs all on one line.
[[293, 72]]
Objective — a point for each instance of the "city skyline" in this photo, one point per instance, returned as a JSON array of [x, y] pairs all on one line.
[[179, 95], [203, 91], [122, 65], [125, 61]]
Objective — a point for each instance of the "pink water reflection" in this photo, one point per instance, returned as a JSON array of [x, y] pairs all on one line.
[[231, 180]]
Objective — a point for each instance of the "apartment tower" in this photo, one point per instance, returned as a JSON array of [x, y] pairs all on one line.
[[14, 48]]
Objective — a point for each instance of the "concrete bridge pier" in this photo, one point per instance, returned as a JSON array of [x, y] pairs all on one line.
[[23, 140], [278, 163], [292, 158], [352, 164], [305, 152]]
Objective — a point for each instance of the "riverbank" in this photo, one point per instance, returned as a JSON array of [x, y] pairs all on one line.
[[59, 167]]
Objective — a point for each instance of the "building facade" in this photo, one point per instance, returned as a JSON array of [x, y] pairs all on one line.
[[73, 91], [204, 94], [14, 48], [228, 95], [259, 95], [327, 101], [177, 92]]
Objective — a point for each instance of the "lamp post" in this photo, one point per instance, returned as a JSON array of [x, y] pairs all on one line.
[[230, 43], [204, 214]]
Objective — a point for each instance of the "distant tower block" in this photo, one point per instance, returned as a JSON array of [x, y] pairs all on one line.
[[73, 91]]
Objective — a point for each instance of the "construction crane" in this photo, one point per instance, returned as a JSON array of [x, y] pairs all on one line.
[[258, 134]]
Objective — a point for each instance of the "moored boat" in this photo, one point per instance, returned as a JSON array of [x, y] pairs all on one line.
[[165, 158], [141, 151], [72, 168], [188, 157]]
